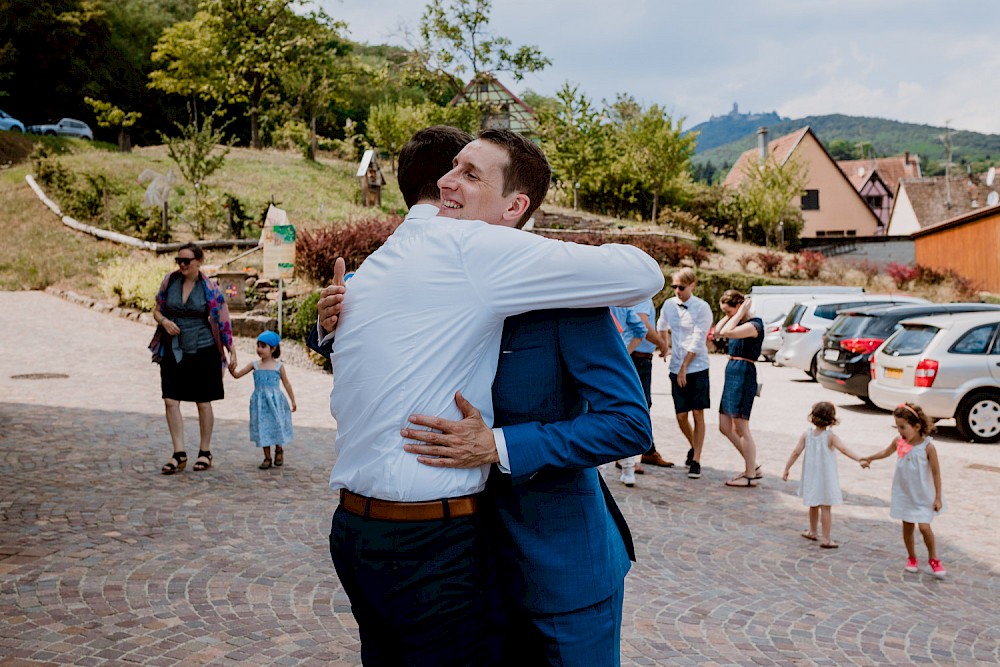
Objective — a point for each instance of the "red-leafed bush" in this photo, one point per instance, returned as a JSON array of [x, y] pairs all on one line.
[[807, 264], [316, 250], [867, 267], [769, 262], [901, 274]]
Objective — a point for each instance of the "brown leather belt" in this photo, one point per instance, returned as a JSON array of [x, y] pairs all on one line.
[[643, 355], [390, 510], [743, 359]]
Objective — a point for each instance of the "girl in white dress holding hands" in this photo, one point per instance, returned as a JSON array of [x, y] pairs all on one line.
[[916, 486], [820, 484]]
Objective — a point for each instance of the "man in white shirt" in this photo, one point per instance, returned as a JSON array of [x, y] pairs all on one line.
[[686, 319], [422, 320]]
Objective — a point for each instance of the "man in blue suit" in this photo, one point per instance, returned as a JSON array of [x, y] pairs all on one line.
[[566, 399]]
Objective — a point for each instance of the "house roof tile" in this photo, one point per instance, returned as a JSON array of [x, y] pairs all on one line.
[[781, 148], [890, 170], [934, 202]]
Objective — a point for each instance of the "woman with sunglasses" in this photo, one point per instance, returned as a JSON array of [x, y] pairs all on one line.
[[191, 344]]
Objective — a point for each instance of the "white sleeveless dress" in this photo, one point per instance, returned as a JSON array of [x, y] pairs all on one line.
[[913, 487], [820, 483]]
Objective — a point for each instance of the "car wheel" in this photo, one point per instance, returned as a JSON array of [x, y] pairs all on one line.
[[978, 417], [15, 129], [812, 367]]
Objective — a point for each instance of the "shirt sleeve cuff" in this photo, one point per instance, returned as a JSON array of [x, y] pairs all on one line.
[[501, 442], [326, 338]]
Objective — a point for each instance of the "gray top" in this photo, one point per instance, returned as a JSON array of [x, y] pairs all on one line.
[[191, 316]]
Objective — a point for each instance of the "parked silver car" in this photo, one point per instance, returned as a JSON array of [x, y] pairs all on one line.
[[949, 365], [66, 127], [9, 123], [803, 328]]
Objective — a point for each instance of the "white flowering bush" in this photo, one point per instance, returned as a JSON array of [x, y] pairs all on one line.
[[133, 283]]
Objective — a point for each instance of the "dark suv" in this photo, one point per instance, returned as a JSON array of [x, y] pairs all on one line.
[[843, 363]]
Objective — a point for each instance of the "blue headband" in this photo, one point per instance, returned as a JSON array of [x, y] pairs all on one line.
[[269, 338]]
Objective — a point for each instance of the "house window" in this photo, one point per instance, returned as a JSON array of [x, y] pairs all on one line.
[[874, 202], [484, 87], [810, 200]]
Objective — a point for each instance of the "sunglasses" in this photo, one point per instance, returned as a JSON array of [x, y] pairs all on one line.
[[183, 261], [679, 287]]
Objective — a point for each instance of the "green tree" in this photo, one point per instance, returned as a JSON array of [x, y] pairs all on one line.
[[391, 125], [108, 115], [232, 52], [767, 194], [573, 137], [659, 152], [199, 152], [457, 40]]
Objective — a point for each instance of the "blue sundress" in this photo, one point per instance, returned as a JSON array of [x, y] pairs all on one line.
[[270, 414]]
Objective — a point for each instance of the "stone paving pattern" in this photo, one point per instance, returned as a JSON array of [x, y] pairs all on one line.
[[103, 561]]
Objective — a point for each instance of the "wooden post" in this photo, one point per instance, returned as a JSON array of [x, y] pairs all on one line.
[[165, 217]]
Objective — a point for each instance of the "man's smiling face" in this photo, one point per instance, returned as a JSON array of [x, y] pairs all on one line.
[[473, 189]]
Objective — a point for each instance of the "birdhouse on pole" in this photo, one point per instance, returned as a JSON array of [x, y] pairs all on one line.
[[370, 177]]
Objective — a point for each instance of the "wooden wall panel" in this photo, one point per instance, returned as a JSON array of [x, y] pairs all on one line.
[[971, 250]]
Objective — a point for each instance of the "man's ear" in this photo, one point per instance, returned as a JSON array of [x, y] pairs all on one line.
[[516, 208]]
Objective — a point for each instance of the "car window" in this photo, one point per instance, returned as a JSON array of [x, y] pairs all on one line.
[[975, 341], [851, 326], [909, 341], [829, 312], [794, 315]]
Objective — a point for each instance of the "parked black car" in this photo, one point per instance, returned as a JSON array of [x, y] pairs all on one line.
[[844, 363]]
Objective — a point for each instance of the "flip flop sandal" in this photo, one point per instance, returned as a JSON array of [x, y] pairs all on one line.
[[809, 535], [829, 545], [176, 463], [200, 465], [757, 474], [742, 482]]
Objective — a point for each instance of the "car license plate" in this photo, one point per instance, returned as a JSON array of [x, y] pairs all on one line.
[[831, 354], [894, 373]]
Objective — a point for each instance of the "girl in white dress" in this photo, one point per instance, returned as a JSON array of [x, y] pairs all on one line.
[[820, 484], [916, 486]]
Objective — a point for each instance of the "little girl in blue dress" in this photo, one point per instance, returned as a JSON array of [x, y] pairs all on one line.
[[270, 416]]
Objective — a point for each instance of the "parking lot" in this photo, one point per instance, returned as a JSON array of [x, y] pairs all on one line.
[[105, 561]]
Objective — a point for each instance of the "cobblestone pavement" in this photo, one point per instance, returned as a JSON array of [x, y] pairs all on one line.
[[103, 561]]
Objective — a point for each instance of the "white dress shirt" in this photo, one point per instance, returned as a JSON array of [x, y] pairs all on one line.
[[422, 319], [688, 322]]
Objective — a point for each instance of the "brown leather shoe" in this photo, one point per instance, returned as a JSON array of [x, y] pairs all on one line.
[[655, 459]]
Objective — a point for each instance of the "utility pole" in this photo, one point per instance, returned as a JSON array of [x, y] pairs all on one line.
[[946, 138]]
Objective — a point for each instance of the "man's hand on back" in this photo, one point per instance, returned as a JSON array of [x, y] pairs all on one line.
[[331, 297], [467, 443]]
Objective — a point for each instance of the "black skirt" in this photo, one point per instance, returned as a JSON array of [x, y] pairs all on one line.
[[197, 378]]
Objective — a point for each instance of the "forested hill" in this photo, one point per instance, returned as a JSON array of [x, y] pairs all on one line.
[[721, 130], [886, 137]]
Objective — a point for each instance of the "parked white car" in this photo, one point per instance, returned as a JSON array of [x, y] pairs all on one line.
[[949, 365], [66, 127], [803, 328], [771, 303]]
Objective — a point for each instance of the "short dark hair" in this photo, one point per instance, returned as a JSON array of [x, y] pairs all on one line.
[[198, 253], [426, 157], [912, 414], [824, 414], [276, 351], [527, 169], [732, 298]]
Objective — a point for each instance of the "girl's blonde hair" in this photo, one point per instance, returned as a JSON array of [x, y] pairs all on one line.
[[824, 414], [913, 415]]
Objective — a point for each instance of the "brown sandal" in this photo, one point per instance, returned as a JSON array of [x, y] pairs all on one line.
[[265, 464], [279, 456], [205, 464], [176, 463], [743, 482]]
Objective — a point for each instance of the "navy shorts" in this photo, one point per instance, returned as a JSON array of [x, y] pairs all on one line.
[[693, 395]]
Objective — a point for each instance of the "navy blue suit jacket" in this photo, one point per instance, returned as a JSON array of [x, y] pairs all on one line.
[[569, 399]]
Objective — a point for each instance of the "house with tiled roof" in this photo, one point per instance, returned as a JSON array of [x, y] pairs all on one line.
[[504, 109], [922, 202], [831, 205], [876, 180]]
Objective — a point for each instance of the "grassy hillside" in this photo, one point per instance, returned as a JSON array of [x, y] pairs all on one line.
[[888, 137], [41, 251]]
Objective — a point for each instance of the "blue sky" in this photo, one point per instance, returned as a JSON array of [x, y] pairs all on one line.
[[922, 61]]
